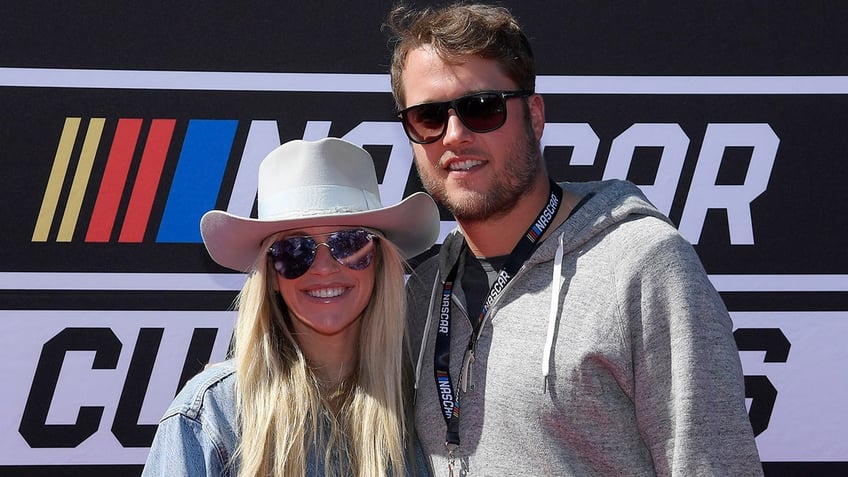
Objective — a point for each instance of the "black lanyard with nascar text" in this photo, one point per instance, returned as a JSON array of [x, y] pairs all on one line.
[[441, 358]]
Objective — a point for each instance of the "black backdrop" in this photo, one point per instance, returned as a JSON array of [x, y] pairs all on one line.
[[678, 73]]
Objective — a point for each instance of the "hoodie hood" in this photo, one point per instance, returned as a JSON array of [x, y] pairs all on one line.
[[612, 202]]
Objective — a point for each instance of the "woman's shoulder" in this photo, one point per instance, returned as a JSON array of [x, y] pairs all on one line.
[[199, 432], [211, 390]]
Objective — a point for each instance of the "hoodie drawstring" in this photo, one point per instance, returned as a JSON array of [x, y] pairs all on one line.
[[552, 317]]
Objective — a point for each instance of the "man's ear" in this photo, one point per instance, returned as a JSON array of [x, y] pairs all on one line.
[[537, 114]]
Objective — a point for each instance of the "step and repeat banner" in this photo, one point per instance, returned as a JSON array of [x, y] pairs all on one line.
[[118, 134]]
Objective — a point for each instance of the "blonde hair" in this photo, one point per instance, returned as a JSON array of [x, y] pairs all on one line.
[[282, 410]]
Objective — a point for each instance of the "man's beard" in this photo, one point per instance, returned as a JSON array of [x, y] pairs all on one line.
[[520, 172]]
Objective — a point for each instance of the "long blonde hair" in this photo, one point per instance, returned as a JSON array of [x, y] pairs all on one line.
[[284, 418]]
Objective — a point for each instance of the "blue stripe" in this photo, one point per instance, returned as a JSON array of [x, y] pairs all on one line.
[[198, 178]]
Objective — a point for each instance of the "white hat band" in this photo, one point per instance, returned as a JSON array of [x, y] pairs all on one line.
[[316, 200]]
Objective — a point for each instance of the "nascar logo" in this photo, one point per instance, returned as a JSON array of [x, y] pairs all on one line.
[[202, 161], [194, 190], [208, 143]]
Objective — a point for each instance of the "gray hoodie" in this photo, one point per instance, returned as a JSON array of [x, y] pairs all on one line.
[[628, 367]]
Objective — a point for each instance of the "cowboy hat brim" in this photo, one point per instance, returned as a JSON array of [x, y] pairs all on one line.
[[235, 242]]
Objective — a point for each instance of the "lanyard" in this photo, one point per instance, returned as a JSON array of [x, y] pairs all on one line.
[[441, 358]]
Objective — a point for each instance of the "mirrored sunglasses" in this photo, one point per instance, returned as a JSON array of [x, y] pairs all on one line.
[[292, 256], [479, 112]]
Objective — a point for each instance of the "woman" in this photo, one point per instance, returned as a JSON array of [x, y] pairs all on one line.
[[314, 386]]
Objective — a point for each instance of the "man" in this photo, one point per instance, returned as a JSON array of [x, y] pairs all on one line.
[[601, 348]]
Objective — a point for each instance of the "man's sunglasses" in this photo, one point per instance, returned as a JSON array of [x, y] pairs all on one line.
[[479, 112], [292, 256]]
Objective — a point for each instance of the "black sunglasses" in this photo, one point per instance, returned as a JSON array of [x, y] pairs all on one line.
[[292, 256], [479, 112]]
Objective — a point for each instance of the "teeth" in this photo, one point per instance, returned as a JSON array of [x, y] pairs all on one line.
[[463, 165], [326, 292]]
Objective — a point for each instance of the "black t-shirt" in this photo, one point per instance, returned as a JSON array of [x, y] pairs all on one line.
[[480, 273], [477, 279]]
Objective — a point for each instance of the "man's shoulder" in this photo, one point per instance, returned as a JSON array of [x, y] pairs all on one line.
[[447, 252], [420, 281], [426, 267]]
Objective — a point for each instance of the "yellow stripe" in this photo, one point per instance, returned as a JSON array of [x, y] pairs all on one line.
[[57, 177], [89, 150]]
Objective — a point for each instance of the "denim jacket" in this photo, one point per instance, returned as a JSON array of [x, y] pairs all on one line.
[[199, 432]]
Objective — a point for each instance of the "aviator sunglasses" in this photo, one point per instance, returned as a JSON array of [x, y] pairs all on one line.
[[292, 256], [479, 112]]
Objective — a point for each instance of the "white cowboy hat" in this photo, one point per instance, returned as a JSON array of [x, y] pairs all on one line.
[[329, 182]]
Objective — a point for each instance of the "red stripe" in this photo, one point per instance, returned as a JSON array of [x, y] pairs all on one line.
[[147, 180], [114, 179]]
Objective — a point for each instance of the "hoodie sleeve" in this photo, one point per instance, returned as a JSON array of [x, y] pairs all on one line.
[[688, 384]]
